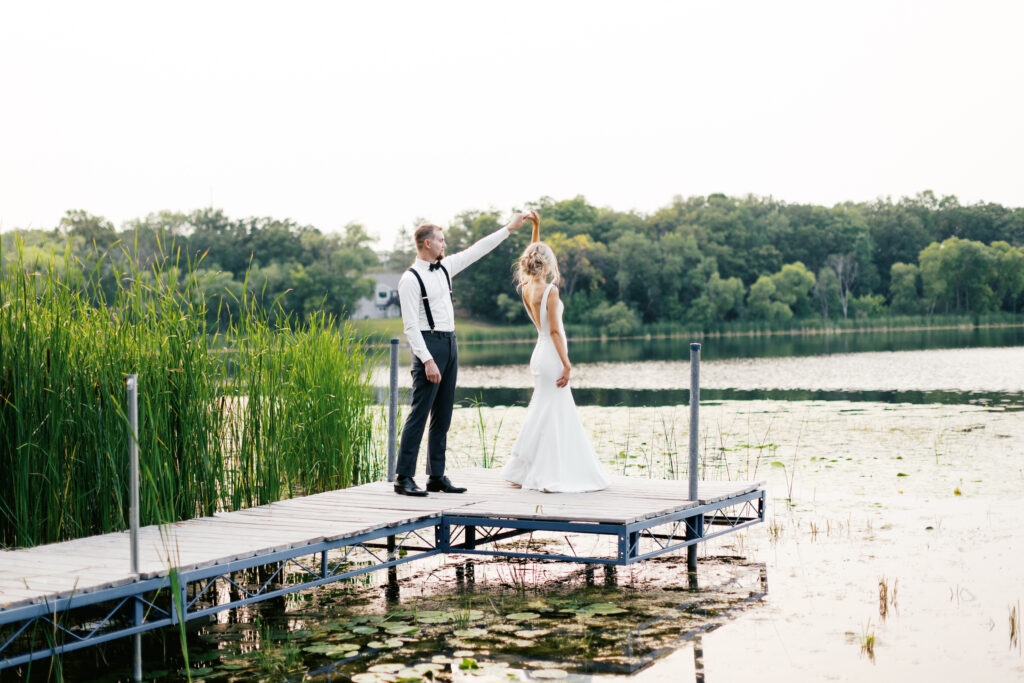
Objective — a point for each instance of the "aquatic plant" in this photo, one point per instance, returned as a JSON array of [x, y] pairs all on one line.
[[867, 641], [487, 451], [886, 596], [269, 410], [1015, 629]]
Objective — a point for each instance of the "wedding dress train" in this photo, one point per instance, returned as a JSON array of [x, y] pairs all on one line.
[[552, 452]]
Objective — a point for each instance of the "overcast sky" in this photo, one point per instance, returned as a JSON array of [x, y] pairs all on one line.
[[382, 112]]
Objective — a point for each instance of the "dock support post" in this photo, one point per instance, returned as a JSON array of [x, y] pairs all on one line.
[[392, 428], [691, 551], [393, 412], [132, 384]]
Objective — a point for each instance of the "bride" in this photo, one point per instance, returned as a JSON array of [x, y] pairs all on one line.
[[552, 452]]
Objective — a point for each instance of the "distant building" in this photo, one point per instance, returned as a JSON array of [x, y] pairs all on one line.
[[384, 302]]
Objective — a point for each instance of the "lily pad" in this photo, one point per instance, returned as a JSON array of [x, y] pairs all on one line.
[[424, 667], [364, 630], [389, 644], [470, 632], [435, 619], [350, 647], [605, 608], [401, 629], [522, 616], [468, 664], [342, 636], [372, 678], [532, 633], [550, 674], [386, 668]]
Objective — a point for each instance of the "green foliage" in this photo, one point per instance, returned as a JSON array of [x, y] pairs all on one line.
[[291, 269], [904, 288], [695, 262], [266, 411], [868, 306], [616, 319]]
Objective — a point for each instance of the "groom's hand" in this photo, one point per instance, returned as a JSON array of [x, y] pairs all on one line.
[[433, 374], [517, 220]]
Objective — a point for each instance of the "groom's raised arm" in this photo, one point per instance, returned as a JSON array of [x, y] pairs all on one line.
[[473, 253]]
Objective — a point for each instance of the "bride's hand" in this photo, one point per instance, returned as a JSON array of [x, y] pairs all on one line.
[[563, 379]]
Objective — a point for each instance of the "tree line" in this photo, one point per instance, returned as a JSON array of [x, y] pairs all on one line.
[[704, 261], [701, 261], [285, 269]]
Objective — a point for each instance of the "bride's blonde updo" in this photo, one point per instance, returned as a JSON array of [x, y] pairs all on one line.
[[537, 264]]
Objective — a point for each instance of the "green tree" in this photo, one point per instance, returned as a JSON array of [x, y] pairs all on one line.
[[91, 230], [826, 291], [762, 304], [1008, 274], [868, 306], [904, 288], [720, 301], [576, 261], [792, 287]]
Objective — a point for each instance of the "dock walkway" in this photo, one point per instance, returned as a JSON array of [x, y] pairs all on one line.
[[316, 537]]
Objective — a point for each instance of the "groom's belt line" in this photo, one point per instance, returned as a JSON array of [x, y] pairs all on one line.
[[437, 333]]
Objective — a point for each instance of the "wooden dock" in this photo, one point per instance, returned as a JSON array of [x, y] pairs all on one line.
[[645, 517]]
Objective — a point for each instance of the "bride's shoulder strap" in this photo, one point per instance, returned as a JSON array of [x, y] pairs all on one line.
[[544, 299]]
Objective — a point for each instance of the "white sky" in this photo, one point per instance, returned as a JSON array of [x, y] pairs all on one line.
[[382, 112]]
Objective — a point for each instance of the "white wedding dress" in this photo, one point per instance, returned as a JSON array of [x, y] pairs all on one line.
[[552, 452]]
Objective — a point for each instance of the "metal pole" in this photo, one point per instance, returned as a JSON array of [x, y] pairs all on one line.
[[133, 508], [393, 412], [691, 551]]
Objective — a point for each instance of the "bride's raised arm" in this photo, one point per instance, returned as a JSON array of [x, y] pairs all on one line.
[[535, 219]]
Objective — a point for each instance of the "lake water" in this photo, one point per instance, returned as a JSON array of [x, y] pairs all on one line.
[[891, 550]]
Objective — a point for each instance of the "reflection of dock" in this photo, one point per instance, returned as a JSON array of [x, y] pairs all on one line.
[[80, 593]]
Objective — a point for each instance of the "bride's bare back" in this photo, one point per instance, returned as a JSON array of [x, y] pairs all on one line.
[[533, 293]]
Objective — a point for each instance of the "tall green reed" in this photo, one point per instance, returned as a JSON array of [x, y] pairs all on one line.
[[286, 409]]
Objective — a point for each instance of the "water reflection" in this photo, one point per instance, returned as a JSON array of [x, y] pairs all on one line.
[[591, 620], [633, 398], [761, 346]]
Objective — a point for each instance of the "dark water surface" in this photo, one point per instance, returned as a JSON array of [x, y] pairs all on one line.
[[636, 398], [761, 346]]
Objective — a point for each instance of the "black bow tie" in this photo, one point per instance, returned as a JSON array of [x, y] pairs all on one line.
[[435, 266]]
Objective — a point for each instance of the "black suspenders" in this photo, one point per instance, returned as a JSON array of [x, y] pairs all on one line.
[[423, 293]]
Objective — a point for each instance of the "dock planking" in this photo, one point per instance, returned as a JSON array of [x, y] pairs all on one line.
[[60, 570]]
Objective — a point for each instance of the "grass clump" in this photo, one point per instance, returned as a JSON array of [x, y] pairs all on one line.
[[267, 410]]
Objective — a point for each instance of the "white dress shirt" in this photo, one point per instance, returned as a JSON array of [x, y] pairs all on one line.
[[414, 317]]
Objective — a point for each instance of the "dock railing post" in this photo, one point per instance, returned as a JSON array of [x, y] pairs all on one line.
[[133, 508], [393, 412], [691, 551], [392, 438]]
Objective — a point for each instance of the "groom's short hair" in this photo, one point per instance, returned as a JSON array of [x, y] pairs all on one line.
[[424, 233]]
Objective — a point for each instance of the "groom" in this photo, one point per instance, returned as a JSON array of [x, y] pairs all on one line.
[[428, 316]]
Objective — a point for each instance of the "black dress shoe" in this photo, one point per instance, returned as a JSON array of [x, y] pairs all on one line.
[[406, 486], [442, 485]]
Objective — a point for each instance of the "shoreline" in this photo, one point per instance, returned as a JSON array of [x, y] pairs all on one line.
[[791, 332]]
